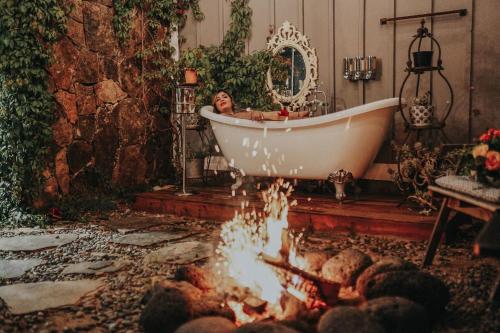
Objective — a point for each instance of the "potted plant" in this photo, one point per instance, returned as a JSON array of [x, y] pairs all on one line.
[[422, 58], [421, 110], [195, 162]]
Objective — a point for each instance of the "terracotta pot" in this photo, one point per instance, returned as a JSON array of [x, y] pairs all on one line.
[[190, 76]]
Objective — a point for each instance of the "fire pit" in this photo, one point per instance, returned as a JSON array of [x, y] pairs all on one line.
[[261, 277]]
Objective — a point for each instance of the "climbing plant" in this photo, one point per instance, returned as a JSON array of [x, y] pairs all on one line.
[[166, 13], [26, 107], [226, 66]]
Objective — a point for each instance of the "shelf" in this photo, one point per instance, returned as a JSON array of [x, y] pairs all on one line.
[[420, 70], [427, 127]]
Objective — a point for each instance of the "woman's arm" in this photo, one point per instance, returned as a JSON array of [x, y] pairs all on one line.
[[269, 115]]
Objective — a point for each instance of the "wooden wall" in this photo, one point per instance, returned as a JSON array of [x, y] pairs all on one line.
[[346, 28]]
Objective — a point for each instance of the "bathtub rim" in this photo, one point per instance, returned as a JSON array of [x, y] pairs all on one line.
[[207, 112]]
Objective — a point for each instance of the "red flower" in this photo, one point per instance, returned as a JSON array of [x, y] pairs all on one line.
[[485, 137], [284, 112], [492, 162]]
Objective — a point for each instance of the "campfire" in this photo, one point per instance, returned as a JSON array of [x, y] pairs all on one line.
[[258, 259], [261, 277]]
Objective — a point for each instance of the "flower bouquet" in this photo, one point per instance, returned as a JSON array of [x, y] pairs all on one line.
[[486, 156]]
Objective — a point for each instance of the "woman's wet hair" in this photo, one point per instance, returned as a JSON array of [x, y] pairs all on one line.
[[215, 95]]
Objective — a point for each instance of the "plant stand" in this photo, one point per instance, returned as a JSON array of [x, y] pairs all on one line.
[[438, 125], [184, 106]]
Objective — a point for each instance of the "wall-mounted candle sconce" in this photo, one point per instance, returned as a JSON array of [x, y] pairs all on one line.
[[360, 68]]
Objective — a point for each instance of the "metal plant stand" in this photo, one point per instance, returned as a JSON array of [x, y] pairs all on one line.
[[422, 33], [184, 106]]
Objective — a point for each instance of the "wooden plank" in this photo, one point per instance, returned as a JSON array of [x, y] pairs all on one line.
[[348, 15], [261, 21], [375, 216], [316, 29], [486, 80], [379, 43], [288, 10], [210, 30], [453, 34]]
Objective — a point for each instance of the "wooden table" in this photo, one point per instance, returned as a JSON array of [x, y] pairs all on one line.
[[465, 204]]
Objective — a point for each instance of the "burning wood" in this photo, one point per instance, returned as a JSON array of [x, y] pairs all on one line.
[[314, 285]]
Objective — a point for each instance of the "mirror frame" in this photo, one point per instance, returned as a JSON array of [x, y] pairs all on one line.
[[288, 35]]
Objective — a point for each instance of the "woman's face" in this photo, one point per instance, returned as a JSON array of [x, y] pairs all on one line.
[[223, 102]]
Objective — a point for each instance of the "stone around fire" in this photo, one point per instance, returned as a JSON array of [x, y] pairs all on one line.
[[348, 319], [207, 325], [346, 266], [398, 315]]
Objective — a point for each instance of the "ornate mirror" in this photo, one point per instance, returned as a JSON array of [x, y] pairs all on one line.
[[299, 70]]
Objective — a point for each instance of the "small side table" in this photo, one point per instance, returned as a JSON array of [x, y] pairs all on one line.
[[468, 205]]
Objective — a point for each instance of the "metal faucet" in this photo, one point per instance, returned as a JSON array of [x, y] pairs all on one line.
[[318, 103]]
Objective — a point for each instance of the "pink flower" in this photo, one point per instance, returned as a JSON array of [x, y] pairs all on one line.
[[492, 161]]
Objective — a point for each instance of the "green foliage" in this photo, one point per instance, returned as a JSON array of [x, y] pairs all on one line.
[[159, 13], [228, 67], [419, 166], [26, 108], [76, 207]]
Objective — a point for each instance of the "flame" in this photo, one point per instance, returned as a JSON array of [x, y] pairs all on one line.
[[250, 234]]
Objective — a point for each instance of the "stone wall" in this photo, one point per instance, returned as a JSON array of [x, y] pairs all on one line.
[[108, 131]]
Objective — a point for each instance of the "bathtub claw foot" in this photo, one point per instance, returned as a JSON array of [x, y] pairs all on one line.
[[238, 176], [339, 179]]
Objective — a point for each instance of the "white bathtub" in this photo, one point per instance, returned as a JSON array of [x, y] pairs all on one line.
[[309, 148]]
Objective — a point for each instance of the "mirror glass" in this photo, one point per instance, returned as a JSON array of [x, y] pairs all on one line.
[[294, 74], [288, 80]]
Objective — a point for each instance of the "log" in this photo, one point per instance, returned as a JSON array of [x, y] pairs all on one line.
[[328, 290]]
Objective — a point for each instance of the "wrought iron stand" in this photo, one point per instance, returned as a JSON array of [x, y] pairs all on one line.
[[184, 105], [439, 125]]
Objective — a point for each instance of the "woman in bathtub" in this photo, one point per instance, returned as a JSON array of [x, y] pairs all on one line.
[[223, 104]]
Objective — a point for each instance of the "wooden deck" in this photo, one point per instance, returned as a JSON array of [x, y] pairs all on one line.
[[367, 215]]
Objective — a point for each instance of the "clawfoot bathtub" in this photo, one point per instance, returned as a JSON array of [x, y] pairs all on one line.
[[309, 148]]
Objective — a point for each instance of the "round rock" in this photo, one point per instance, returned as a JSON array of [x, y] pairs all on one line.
[[314, 261], [198, 277], [207, 325], [165, 311], [348, 319], [264, 327], [346, 266], [420, 287], [398, 315], [386, 264]]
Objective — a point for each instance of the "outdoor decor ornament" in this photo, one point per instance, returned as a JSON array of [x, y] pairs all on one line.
[[339, 179]]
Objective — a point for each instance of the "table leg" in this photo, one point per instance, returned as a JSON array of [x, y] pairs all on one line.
[[437, 232]]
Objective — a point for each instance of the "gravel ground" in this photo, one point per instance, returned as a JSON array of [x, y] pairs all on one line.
[[117, 306]]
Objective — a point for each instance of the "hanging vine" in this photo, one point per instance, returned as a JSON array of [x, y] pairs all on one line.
[[26, 107]]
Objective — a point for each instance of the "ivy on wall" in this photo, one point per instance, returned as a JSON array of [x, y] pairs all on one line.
[[26, 107], [225, 66]]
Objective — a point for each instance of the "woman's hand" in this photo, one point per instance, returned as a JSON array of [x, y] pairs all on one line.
[[257, 115]]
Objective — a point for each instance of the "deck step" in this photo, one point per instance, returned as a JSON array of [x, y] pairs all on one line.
[[375, 215]]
